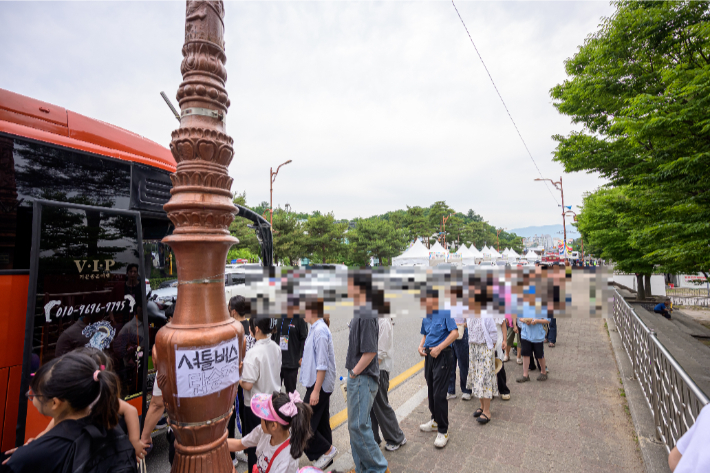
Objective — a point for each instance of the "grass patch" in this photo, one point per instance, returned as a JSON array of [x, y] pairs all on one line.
[[606, 327], [622, 393]]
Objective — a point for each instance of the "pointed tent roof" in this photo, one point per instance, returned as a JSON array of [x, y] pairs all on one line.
[[513, 254], [505, 252], [417, 250], [437, 248], [531, 255], [465, 252], [475, 251]]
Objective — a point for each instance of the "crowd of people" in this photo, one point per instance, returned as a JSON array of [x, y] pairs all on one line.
[[80, 392]]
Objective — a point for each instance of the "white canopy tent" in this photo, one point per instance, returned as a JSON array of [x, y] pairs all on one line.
[[532, 256], [415, 255], [437, 248], [468, 257]]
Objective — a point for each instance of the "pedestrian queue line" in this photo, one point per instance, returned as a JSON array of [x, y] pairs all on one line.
[[341, 417]]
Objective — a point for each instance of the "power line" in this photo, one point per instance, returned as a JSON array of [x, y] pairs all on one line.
[[503, 102]]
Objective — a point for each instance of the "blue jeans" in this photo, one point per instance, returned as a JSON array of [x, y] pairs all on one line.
[[552, 331], [461, 354], [367, 455]]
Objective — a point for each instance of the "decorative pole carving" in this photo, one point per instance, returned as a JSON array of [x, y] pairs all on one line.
[[196, 356]]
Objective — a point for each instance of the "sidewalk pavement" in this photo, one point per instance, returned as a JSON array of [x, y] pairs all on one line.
[[576, 421]]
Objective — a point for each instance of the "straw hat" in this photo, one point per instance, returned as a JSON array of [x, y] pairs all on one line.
[[499, 365]]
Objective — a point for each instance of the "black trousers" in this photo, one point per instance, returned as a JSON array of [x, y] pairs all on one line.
[[437, 372], [232, 424], [249, 423], [322, 438], [289, 377], [664, 313], [502, 381]]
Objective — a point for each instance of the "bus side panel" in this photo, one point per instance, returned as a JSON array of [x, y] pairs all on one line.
[[13, 293], [3, 397], [35, 422], [11, 406], [136, 402]]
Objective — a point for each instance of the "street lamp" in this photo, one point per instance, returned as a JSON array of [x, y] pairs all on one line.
[[558, 186], [272, 178]]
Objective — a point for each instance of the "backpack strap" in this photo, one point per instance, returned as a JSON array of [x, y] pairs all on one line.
[[276, 453]]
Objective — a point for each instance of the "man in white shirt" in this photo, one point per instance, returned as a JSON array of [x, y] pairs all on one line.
[[382, 415]]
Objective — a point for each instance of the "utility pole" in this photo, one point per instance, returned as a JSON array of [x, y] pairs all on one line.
[[443, 220], [558, 186], [272, 178]]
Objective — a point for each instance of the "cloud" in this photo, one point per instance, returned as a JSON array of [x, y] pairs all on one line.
[[379, 105]]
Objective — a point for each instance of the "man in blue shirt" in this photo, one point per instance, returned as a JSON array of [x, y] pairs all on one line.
[[438, 332], [664, 309]]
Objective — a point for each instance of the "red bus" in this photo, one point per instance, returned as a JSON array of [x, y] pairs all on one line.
[[81, 220]]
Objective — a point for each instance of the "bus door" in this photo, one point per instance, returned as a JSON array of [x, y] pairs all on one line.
[[86, 291]]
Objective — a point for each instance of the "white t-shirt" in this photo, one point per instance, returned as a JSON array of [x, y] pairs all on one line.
[[156, 388], [284, 463], [694, 445], [262, 367]]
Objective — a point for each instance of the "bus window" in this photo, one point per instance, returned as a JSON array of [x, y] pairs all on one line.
[[39, 171]]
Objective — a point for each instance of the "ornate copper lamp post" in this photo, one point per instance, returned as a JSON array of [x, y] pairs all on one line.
[[197, 358]]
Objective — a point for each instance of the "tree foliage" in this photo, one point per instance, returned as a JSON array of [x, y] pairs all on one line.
[[640, 87], [375, 238]]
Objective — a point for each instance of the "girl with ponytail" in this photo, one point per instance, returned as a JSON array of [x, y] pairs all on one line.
[[77, 393], [283, 434], [127, 413]]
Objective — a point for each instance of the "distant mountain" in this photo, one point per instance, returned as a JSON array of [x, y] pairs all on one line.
[[551, 230]]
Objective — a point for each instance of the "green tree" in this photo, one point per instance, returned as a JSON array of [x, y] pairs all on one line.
[[375, 238], [640, 86], [289, 240], [324, 237], [416, 224], [607, 222]]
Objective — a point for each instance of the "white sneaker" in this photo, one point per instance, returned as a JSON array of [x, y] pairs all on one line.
[[391, 447], [519, 361], [505, 397], [430, 426], [240, 457], [450, 396], [506, 358], [466, 396], [326, 459], [441, 440]]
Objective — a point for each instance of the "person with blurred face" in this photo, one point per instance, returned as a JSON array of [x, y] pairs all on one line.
[[438, 331]]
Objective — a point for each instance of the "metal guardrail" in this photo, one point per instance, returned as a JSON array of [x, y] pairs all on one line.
[[674, 399], [687, 292]]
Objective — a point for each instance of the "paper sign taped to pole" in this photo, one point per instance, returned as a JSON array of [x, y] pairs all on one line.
[[202, 371]]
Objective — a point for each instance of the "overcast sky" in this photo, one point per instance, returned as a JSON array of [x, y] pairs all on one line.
[[380, 105]]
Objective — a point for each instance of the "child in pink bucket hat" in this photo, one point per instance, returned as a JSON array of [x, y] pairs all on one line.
[[285, 424]]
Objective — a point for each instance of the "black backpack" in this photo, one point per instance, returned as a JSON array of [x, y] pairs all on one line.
[[99, 451]]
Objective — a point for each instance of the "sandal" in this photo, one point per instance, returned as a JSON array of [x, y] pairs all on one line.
[[551, 345], [523, 379], [483, 419], [542, 377], [478, 412]]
